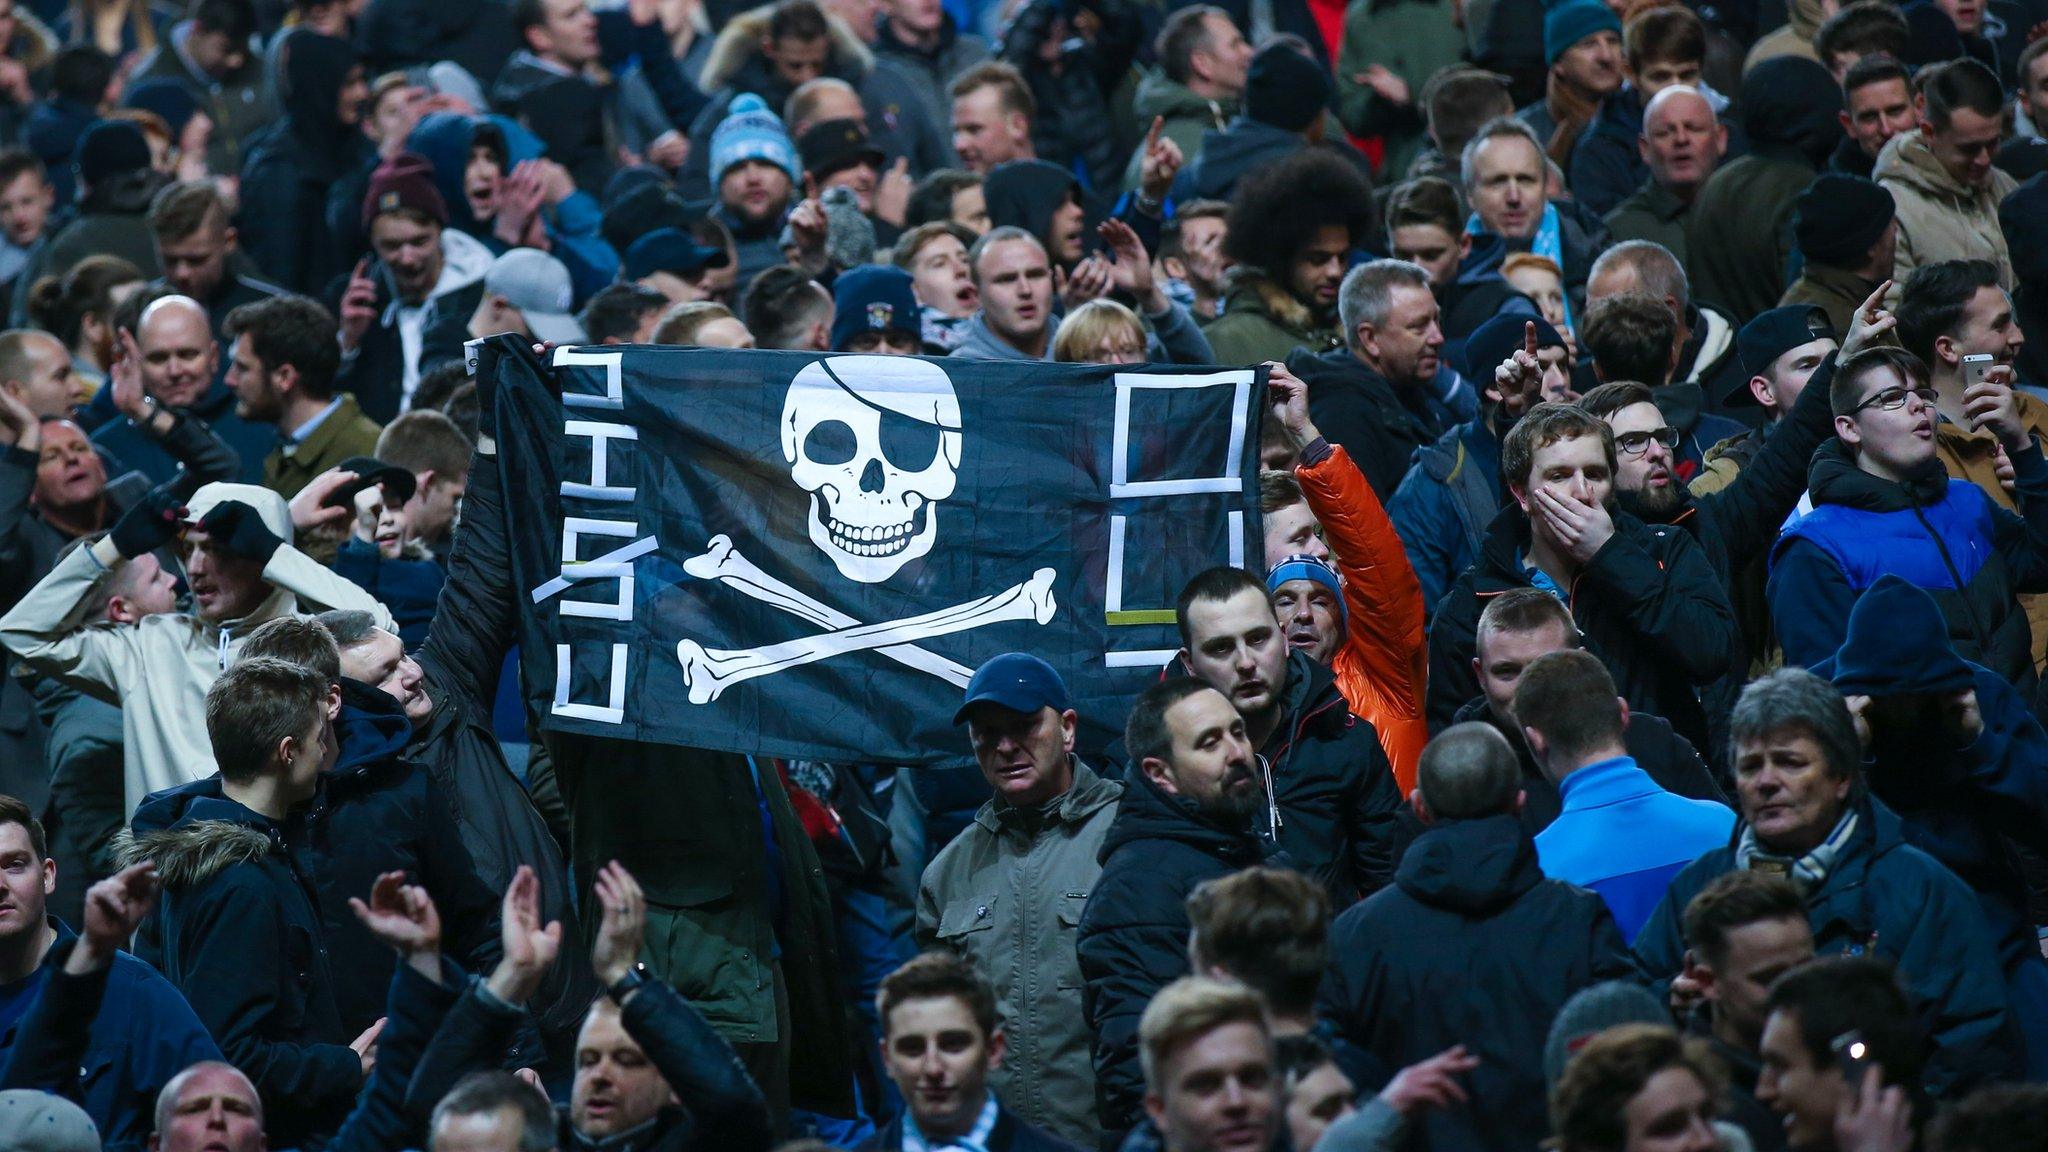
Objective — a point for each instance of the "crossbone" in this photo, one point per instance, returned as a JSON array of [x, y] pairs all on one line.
[[709, 672], [723, 562]]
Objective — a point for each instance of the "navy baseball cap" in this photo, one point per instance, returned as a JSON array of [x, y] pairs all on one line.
[[1769, 335], [670, 250], [1018, 681]]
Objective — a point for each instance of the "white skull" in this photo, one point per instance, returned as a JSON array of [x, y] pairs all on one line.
[[875, 441]]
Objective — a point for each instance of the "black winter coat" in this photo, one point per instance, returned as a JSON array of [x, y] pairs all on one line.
[[243, 942], [1471, 945], [1009, 1135], [1134, 929], [1649, 605], [1381, 426], [1334, 789]]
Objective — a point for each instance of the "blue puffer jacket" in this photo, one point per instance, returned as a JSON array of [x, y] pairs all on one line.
[[1886, 898], [1945, 537], [1445, 502]]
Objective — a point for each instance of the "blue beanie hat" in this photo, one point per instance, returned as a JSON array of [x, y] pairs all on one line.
[[1567, 23], [874, 298], [751, 132], [1308, 568]]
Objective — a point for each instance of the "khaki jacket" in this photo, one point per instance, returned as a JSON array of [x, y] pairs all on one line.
[[1010, 902], [1940, 219]]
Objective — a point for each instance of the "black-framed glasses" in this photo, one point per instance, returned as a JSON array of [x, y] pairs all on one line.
[[1637, 443], [1893, 399]]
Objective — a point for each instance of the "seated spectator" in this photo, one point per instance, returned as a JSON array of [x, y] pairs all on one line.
[[1452, 489], [1804, 1079], [282, 370], [1208, 1057], [1740, 240], [1466, 893], [1187, 815], [288, 172], [1661, 48], [1368, 627], [406, 309], [935, 255], [242, 935], [703, 324], [209, 55], [1952, 748], [1847, 230], [1745, 929], [1877, 98], [1704, 366], [1681, 143], [1882, 504], [1332, 804], [1376, 397], [1559, 464], [938, 1003], [436, 452], [145, 1033], [1941, 174], [1634, 1087], [1618, 833], [1505, 179], [1290, 230], [243, 571], [172, 345], [198, 247], [623, 314], [1805, 815], [1204, 61]]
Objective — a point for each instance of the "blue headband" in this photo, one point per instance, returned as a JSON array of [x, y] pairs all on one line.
[[1308, 568]]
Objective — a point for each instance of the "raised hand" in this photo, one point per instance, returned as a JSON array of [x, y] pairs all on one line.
[[892, 193], [124, 376], [624, 926], [1384, 84], [1090, 281], [238, 530], [358, 306], [401, 915], [310, 510], [150, 523], [1289, 399], [1518, 381], [19, 425], [114, 909], [1132, 271], [1432, 1083], [529, 949], [669, 150], [1870, 322], [1875, 1118], [1161, 164]]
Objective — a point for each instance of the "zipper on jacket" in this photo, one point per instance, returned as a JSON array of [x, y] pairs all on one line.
[[1272, 804], [222, 649]]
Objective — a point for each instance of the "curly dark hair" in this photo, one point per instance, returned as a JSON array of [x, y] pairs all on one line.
[[1278, 211]]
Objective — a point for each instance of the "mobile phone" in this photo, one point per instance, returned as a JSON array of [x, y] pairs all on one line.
[[1852, 1055], [1974, 368]]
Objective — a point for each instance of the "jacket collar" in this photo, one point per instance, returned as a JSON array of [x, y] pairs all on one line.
[[331, 427], [1088, 794], [1605, 782]]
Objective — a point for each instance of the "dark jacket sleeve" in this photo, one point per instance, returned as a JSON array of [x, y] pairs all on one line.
[[469, 908], [1346, 418], [1603, 172], [1810, 602], [2023, 539], [2006, 768], [280, 213], [413, 1013], [1130, 945], [1749, 512], [1677, 605], [474, 1036], [17, 484], [1949, 966], [1374, 811], [727, 1108], [680, 100], [203, 457], [50, 1043], [474, 624], [1451, 681], [227, 935]]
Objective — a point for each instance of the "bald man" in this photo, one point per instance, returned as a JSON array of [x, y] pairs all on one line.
[[180, 374], [1682, 143], [210, 1105]]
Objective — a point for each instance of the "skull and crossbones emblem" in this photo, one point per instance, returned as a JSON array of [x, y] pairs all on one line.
[[875, 443]]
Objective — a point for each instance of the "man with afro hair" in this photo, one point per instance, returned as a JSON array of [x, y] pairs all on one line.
[[1291, 232]]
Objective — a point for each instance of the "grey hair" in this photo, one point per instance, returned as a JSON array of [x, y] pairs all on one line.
[[348, 626], [1658, 272], [1795, 700], [1468, 771], [481, 1093], [1496, 129], [1368, 293]]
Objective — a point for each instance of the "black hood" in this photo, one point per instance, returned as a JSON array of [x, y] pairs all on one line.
[[1025, 194], [1833, 478], [315, 68], [2023, 217], [1473, 866], [1146, 813], [1789, 110]]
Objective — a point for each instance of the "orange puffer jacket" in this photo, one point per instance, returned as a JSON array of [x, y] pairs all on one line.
[[1383, 667]]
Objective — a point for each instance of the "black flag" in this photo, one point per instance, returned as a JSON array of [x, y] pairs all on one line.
[[804, 555]]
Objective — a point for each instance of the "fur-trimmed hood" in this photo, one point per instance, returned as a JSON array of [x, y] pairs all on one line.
[[739, 45], [1247, 288], [194, 851]]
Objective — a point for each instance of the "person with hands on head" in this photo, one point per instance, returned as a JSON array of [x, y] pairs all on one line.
[[235, 543], [1645, 598], [1369, 629]]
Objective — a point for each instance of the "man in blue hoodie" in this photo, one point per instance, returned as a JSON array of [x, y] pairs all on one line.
[[1952, 747], [1618, 834]]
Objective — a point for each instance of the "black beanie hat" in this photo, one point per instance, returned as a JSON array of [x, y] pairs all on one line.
[[110, 148], [1285, 89], [1839, 216]]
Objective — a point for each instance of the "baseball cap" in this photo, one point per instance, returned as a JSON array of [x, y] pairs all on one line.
[[1769, 335], [1018, 681], [831, 145], [538, 285], [399, 483], [33, 1121], [670, 250]]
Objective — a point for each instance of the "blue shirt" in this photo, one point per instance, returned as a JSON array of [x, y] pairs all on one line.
[[1622, 836]]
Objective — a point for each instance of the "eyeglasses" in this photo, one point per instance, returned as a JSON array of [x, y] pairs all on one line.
[[1637, 443], [1893, 399]]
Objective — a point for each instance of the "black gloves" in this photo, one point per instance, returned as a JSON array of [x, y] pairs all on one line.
[[236, 529], [151, 524]]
